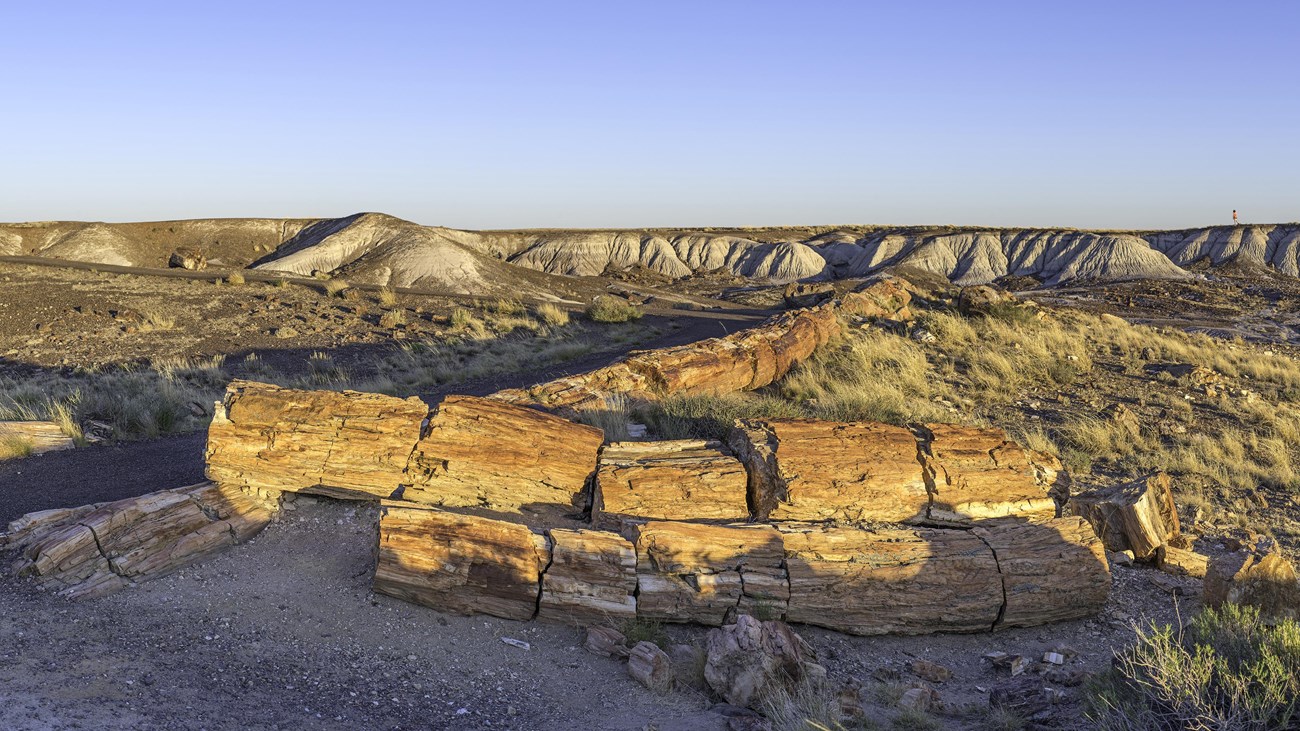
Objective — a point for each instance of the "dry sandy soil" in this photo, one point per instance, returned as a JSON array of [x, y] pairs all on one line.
[[284, 633]]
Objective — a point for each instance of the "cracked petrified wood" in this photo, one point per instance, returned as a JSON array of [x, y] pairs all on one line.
[[591, 578], [1137, 516], [459, 563], [345, 444], [39, 436], [748, 359], [688, 479], [891, 581], [1051, 571], [981, 473], [487, 454], [98, 549], [689, 572], [805, 469]]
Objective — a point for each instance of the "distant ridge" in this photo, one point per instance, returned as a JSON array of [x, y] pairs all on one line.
[[381, 249]]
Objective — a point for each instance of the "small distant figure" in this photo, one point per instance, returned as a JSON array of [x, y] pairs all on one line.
[[1234, 217]]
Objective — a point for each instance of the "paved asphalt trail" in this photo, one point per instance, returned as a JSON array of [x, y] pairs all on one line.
[[112, 472]]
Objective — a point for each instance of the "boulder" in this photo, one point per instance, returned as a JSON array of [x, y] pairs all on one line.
[[487, 454], [980, 474], [805, 469], [882, 298], [99, 549], [591, 578], [348, 444], [891, 581], [1258, 578], [191, 259], [982, 299], [1051, 572], [673, 480], [651, 667], [743, 660], [39, 436], [690, 572], [1137, 516], [459, 563]]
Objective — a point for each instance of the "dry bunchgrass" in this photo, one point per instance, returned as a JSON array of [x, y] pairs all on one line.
[[236, 279], [154, 320], [14, 446], [335, 287], [387, 297], [552, 315]]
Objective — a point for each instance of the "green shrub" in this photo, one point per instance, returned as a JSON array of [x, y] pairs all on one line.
[[612, 309], [1228, 670]]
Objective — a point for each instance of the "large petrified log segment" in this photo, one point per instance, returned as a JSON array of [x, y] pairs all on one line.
[[690, 572], [891, 581], [1137, 516], [980, 474], [748, 359], [1051, 571], [482, 453], [345, 444], [39, 436], [687, 479], [591, 578], [98, 549], [804, 469], [459, 563], [885, 297]]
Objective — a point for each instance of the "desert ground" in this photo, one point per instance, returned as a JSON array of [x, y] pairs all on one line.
[[1119, 354]]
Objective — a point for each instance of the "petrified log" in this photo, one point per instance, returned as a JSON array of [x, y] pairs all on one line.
[[345, 444], [651, 667], [981, 474], [748, 359], [886, 297], [459, 563], [39, 436], [98, 549], [891, 581], [482, 453], [591, 578], [1259, 578], [1181, 562], [1051, 571], [689, 572], [673, 480], [803, 469], [1138, 516]]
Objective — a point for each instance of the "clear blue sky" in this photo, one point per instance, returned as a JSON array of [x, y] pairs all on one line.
[[485, 115]]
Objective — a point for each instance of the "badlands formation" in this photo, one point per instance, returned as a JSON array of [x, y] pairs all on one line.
[[379, 249]]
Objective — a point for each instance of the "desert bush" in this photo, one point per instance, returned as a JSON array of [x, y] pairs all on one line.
[[552, 315], [1228, 670], [387, 297], [14, 446], [335, 287], [612, 309]]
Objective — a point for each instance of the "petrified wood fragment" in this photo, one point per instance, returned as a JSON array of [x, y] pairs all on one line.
[[345, 444], [980, 474], [804, 469], [1051, 571], [891, 581], [99, 549], [672, 480], [689, 572], [591, 578], [487, 454], [1137, 516], [39, 436], [459, 563]]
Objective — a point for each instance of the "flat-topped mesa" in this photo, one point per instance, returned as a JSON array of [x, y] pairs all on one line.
[[673, 480], [481, 453], [689, 572], [98, 549], [805, 469], [1137, 516], [981, 473], [346, 444], [891, 580], [459, 563], [745, 360]]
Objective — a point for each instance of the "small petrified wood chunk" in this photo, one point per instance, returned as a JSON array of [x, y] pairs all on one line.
[[1137, 516]]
